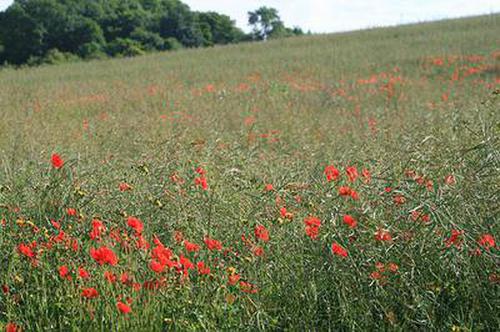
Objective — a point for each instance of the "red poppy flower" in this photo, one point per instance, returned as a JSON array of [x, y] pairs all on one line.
[[124, 278], [354, 195], [110, 277], [249, 120], [57, 161], [135, 224], [123, 308], [141, 242], [393, 267], [344, 191], [339, 250], [449, 180], [212, 244], [261, 233], [350, 221], [399, 199], [156, 266], [161, 254], [64, 272], [191, 247], [383, 235], [74, 245], [71, 212], [312, 221], [419, 179], [258, 251], [83, 273], [454, 239], [312, 226], [269, 187], [97, 229], [247, 287], [366, 175], [352, 173], [185, 262], [233, 279], [415, 215], [123, 186], [11, 327], [26, 250], [429, 184], [283, 212], [104, 255], [487, 241], [201, 181], [90, 293], [202, 268], [60, 237], [331, 173]]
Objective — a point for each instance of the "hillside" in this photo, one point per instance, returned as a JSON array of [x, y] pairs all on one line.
[[351, 179]]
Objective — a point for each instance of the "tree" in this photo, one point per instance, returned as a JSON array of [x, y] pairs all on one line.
[[267, 24], [264, 21], [222, 28], [150, 40], [52, 31], [124, 47], [80, 33], [182, 24], [21, 35]]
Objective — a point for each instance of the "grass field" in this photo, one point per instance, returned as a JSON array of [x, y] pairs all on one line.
[[331, 182]]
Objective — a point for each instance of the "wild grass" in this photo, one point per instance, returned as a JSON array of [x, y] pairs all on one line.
[[416, 107]]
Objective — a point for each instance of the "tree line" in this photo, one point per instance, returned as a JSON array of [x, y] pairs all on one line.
[[48, 31]]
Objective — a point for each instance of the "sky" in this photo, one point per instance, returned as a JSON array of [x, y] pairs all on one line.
[[344, 15]]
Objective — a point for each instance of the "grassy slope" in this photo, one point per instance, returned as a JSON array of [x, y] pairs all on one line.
[[141, 120]]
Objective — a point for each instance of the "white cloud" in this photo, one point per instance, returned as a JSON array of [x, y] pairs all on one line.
[[342, 15]]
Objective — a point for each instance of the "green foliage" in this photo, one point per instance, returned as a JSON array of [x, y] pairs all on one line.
[[92, 50], [221, 28], [53, 57], [267, 24], [149, 40], [80, 33], [29, 29], [21, 36], [183, 25], [125, 47], [172, 44]]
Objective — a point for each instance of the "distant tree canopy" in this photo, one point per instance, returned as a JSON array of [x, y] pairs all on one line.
[[40, 31], [267, 23]]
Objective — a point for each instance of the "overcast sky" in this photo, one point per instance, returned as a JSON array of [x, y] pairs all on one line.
[[343, 15]]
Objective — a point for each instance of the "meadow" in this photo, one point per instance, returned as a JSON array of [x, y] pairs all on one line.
[[329, 182]]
